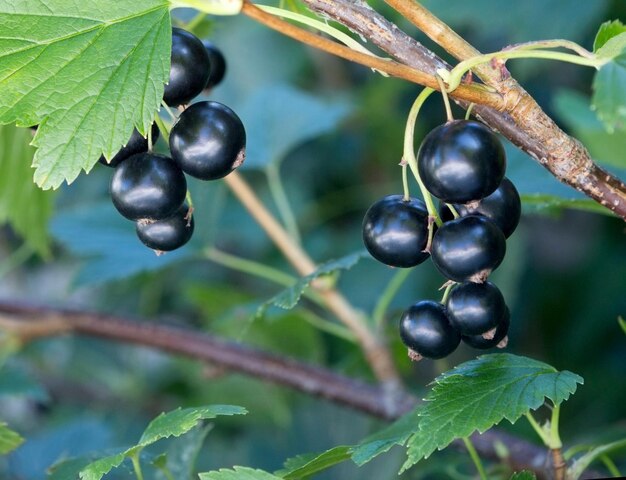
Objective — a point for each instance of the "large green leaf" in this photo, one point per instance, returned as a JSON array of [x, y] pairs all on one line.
[[238, 473], [9, 440], [24, 206], [478, 394], [88, 72]]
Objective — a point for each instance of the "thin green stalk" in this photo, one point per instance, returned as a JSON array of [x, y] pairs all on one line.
[[453, 210], [169, 111], [446, 292], [189, 200], [475, 458], [328, 326], [405, 183], [389, 293], [163, 128], [409, 151], [468, 112], [279, 195], [17, 258], [195, 21], [554, 428], [137, 465], [446, 100], [610, 466], [545, 438]]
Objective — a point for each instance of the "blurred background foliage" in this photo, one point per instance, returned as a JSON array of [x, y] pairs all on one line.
[[327, 136]]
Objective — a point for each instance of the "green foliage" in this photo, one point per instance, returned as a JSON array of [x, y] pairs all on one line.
[[524, 475], [583, 462], [289, 298], [607, 31], [478, 394], [238, 473], [24, 206], [125, 48], [303, 466], [9, 440], [174, 423]]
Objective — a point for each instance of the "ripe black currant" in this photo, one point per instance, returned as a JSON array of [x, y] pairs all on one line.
[[218, 64], [208, 141], [426, 330], [461, 161], [468, 248], [482, 343], [136, 144], [395, 231], [503, 207], [190, 68], [167, 234], [148, 186], [475, 308]]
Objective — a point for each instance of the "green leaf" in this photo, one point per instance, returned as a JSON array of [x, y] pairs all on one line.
[[478, 394], [289, 298], [523, 475], [181, 455], [279, 118], [554, 205], [23, 205], [609, 94], [238, 473], [9, 440], [88, 72], [174, 423], [582, 463], [605, 147], [613, 47], [67, 469], [303, 466], [180, 421], [607, 31]]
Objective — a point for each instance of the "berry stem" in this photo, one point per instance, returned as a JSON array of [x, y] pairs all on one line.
[[389, 293], [468, 112], [277, 190], [446, 293], [169, 111], [475, 458], [446, 100], [453, 210], [545, 437], [195, 21], [405, 182], [136, 465], [409, 152], [163, 128]]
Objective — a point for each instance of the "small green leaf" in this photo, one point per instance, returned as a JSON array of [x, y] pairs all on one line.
[[395, 434], [523, 475], [613, 47], [303, 466], [238, 473], [478, 394], [280, 118], [609, 94], [289, 298], [9, 440], [98, 469], [582, 463], [607, 31], [23, 205], [87, 72], [180, 421]]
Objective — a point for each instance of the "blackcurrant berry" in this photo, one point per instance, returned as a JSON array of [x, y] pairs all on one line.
[[395, 231], [167, 234], [475, 308], [461, 161], [468, 248], [482, 343], [148, 186], [208, 141], [503, 207], [189, 70], [136, 144], [218, 64], [426, 330]]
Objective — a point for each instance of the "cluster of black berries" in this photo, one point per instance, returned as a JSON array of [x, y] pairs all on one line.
[[462, 163], [207, 142]]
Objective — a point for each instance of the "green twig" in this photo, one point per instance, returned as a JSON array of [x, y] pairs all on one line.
[[405, 183], [279, 195], [327, 326], [475, 458], [195, 21], [163, 128], [389, 293], [446, 293], [555, 438], [610, 466], [545, 438], [137, 465]]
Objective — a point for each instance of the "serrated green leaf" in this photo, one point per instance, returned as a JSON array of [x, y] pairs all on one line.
[[9, 440], [289, 298], [523, 475], [304, 466], [98, 469], [582, 463], [180, 421], [609, 94], [607, 31], [478, 394], [279, 118], [67, 469], [395, 434], [238, 473], [182, 454], [613, 47], [88, 72], [23, 205]]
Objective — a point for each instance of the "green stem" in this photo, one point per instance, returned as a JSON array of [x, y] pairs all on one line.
[[389, 293], [554, 428], [475, 458], [409, 151], [558, 43], [446, 100], [545, 438], [279, 195], [136, 465], [17, 258], [468, 112], [405, 183], [189, 200], [328, 326], [610, 466], [165, 131], [446, 293], [453, 210], [195, 21], [169, 111]]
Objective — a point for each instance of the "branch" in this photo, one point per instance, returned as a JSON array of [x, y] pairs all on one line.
[[29, 323], [516, 114]]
